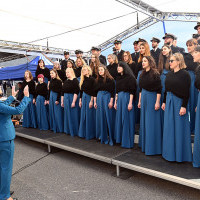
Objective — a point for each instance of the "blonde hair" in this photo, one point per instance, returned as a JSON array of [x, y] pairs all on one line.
[[114, 57], [55, 71], [71, 71], [83, 62], [30, 74], [82, 76], [179, 57], [147, 51], [56, 62]]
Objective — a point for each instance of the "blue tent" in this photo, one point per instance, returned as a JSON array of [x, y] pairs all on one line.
[[17, 72]]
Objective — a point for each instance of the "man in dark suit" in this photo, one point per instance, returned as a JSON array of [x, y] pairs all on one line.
[[155, 52], [182, 50], [169, 38], [79, 54], [102, 58], [136, 54], [97, 51], [119, 52], [64, 62]]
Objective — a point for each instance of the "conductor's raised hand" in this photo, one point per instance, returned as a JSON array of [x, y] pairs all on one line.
[[14, 93], [26, 91]]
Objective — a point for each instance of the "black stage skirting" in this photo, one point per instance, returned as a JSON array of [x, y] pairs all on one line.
[[133, 159]]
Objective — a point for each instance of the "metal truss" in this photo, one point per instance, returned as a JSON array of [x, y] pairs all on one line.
[[155, 16], [128, 32], [31, 49]]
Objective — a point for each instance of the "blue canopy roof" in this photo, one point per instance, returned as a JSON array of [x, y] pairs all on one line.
[[17, 72]]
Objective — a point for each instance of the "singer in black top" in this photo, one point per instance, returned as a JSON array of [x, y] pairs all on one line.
[[41, 69], [87, 126], [69, 101], [79, 64], [41, 104], [103, 103], [191, 68], [55, 109], [94, 65], [61, 73], [128, 60], [112, 67], [196, 150], [29, 114], [176, 132], [124, 105], [150, 139]]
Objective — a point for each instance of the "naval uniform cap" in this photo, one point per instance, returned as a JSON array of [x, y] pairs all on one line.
[[117, 42], [78, 51], [155, 39], [66, 52], [169, 35], [135, 42], [196, 27]]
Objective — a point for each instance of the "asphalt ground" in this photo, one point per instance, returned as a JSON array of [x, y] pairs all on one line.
[[61, 175]]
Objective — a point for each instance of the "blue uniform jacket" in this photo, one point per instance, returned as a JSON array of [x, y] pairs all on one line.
[[7, 130]]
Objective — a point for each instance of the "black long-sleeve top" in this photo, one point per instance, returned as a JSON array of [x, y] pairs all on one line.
[[126, 83], [197, 78], [31, 86], [55, 86], [108, 86], [41, 89], [139, 67], [70, 86], [150, 81], [77, 71], [179, 84], [88, 86], [61, 75], [112, 68], [191, 65], [44, 71], [133, 67]]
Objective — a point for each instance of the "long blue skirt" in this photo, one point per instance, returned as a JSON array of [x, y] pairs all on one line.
[[163, 77], [137, 110], [56, 119], [125, 121], [150, 139], [192, 101], [71, 115], [87, 126], [42, 113], [104, 118], [29, 115], [176, 132], [196, 151]]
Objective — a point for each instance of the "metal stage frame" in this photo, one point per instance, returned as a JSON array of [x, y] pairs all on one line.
[[132, 159]]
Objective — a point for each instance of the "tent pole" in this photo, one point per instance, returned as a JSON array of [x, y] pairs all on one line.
[[164, 25]]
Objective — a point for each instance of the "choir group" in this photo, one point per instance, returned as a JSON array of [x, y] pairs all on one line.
[[158, 89]]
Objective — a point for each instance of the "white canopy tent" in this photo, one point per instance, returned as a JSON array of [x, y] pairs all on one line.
[[35, 21]]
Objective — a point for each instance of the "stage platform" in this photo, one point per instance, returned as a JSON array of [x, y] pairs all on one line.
[[133, 159]]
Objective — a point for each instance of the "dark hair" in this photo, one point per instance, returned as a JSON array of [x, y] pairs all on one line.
[[73, 66], [161, 60], [192, 41], [38, 67], [94, 66], [106, 74], [126, 69], [152, 65]]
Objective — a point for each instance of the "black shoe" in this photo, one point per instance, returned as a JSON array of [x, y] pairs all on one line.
[[11, 193]]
